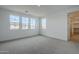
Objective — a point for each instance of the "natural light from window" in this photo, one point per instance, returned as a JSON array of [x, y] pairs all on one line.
[[14, 22], [32, 23], [25, 22], [43, 23]]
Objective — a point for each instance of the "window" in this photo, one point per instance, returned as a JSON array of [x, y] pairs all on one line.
[[25, 22], [14, 22], [43, 23], [32, 23]]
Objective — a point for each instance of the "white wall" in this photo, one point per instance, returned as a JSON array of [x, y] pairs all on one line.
[[6, 33], [57, 24]]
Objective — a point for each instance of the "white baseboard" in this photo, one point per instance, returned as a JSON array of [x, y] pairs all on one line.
[[52, 37], [19, 38]]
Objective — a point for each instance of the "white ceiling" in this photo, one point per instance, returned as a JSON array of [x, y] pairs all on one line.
[[37, 10]]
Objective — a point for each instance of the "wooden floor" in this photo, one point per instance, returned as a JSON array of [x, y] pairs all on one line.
[[75, 38]]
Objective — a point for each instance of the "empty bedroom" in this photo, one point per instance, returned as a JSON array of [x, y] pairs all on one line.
[[39, 29]]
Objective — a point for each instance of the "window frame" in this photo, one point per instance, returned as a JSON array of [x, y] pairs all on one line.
[[26, 24], [15, 20], [43, 23], [32, 23]]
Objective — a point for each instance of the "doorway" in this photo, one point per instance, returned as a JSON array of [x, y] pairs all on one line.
[[73, 18]]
